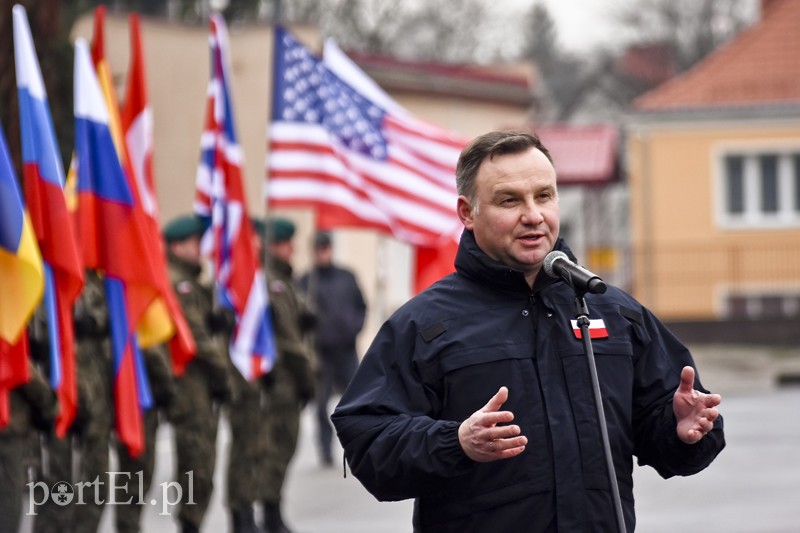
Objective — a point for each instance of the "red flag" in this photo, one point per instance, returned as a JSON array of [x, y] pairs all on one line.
[[137, 125], [14, 371], [340, 144]]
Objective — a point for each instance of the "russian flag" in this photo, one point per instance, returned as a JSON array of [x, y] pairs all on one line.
[[113, 241], [156, 326], [21, 281], [220, 199], [52, 223]]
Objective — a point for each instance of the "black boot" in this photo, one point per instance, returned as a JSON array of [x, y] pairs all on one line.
[[186, 527], [244, 521], [273, 521]]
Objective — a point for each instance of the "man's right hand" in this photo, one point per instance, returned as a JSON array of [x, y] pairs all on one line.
[[483, 440]]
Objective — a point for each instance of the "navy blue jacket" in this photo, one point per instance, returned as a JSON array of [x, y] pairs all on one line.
[[338, 301], [442, 355]]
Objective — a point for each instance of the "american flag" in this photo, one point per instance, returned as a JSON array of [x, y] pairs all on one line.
[[356, 156], [220, 199]]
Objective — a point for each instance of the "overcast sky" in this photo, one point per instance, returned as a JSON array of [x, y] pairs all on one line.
[[583, 24]]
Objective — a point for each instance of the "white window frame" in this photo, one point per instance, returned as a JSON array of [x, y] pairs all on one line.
[[753, 297], [787, 215]]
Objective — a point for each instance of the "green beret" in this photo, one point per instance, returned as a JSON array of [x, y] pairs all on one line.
[[259, 227], [183, 227], [279, 230]]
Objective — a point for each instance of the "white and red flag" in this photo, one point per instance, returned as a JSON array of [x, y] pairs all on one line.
[[136, 118], [597, 329]]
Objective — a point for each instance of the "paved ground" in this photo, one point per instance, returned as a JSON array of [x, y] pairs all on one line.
[[753, 487]]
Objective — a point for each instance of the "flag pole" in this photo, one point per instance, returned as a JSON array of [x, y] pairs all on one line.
[[277, 13]]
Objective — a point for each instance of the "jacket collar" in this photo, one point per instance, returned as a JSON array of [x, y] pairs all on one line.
[[474, 264], [280, 267]]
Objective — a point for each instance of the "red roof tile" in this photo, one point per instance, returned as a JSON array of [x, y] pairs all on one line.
[[759, 66], [582, 155]]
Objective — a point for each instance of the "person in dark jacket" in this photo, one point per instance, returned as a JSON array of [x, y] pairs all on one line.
[[337, 300], [475, 397]]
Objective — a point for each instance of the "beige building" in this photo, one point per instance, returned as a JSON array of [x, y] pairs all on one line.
[[714, 173], [465, 100]]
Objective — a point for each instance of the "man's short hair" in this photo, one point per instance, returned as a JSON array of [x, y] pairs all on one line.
[[490, 145], [322, 239]]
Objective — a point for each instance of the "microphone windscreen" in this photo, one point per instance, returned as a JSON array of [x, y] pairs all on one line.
[[550, 259]]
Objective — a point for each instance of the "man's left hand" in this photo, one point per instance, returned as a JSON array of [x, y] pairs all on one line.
[[695, 411]]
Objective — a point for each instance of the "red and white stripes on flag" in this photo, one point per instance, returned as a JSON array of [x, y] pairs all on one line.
[[220, 199], [339, 144]]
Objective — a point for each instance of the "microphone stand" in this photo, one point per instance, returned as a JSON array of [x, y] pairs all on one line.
[[583, 322]]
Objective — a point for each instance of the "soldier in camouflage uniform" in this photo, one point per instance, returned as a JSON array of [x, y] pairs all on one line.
[[246, 417], [291, 382], [159, 373], [252, 416], [91, 429], [205, 384], [32, 408]]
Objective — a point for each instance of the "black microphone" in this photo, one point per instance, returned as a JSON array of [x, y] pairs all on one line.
[[558, 265]]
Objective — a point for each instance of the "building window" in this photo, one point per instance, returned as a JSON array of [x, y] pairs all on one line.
[[760, 306], [796, 168], [760, 189], [734, 169], [769, 183]]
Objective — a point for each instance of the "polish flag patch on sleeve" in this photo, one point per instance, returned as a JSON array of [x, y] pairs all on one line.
[[597, 329]]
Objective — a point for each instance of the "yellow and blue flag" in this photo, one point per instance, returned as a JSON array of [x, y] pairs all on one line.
[[21, 271], [21, 281]]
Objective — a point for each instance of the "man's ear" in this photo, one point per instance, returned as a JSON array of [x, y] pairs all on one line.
[[464, 210]]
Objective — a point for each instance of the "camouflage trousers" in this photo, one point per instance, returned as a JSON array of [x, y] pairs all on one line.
[[12, 479], [137, 475], [247, 418], [194, 418], [282, 421], [89, 479]]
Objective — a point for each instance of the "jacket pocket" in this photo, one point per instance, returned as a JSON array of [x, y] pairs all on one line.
[[467, 380], [614, 363]]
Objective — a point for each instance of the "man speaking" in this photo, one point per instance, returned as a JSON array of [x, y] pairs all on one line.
[[475, 397]]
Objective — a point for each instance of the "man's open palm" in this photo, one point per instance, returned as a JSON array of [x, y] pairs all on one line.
[[695, 411]]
